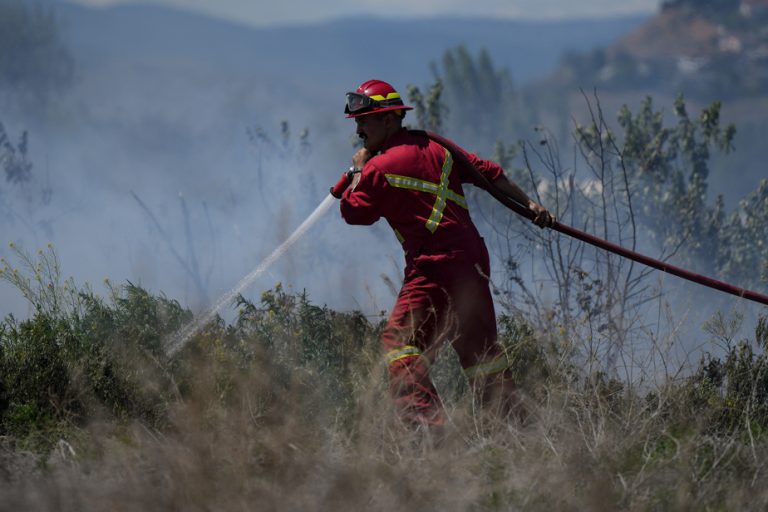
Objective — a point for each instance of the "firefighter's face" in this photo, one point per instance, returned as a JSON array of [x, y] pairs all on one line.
[[375, 129]]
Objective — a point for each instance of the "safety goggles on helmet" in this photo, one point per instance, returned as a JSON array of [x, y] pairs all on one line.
[[358, 103]]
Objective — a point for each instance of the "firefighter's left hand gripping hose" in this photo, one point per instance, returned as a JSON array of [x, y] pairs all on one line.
[[343, 184]]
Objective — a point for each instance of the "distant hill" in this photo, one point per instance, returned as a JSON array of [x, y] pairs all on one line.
[[708, 49], [337, 53]]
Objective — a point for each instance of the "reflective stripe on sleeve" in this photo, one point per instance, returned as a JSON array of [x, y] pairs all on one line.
[[401, 353], [499, 364]]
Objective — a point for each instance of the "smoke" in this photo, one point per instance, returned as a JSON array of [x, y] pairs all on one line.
[[172, 170], [155, 180]]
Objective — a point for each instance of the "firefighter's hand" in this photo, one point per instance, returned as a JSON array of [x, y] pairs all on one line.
[[358, 162], [543, 218], [360, 158], [355, 180]]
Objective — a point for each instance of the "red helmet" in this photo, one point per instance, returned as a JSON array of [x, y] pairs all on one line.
[[372, 97]]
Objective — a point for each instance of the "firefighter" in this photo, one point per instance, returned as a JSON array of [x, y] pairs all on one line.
[[414, 183]]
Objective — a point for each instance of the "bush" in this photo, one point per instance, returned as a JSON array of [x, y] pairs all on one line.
[[78, 357], [730, 392]]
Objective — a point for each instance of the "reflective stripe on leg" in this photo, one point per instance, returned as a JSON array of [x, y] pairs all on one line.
[[400, 353]]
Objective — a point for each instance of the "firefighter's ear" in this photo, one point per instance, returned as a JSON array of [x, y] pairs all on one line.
[[395, 118]]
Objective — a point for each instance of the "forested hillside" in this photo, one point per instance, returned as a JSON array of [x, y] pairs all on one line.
[[710, 49]]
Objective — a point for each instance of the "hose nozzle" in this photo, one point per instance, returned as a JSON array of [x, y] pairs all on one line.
[[343, 184]]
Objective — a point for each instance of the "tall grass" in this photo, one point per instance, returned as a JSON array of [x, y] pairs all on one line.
[[286, 409]]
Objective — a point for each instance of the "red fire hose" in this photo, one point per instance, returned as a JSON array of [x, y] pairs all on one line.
[[459, 156]]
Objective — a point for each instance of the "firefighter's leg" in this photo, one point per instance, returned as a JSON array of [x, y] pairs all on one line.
[[485, 363], [493, 386], [408, 353]]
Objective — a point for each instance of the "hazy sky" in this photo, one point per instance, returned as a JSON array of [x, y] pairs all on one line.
[[266, 12]]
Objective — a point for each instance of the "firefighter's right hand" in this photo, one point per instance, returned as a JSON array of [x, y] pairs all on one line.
[[360, 158]]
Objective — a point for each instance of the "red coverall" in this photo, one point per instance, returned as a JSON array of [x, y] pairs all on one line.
[[414, 184]]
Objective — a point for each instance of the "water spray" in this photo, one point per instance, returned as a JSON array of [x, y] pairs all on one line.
[[182, 337]]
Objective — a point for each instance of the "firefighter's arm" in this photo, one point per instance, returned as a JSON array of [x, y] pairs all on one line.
[[495, 174], [543, 218], [361, 203]]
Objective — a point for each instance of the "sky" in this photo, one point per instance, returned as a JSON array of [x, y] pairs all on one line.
[[269, 12]]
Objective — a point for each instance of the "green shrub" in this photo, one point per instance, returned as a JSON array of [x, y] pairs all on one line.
[[731, 391], [78, 357]]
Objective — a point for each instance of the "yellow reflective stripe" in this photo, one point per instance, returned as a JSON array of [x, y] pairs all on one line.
[[442, 192], [390, 96], [401, 353], [411, 183], [499, 364], [424, 186], [458, 199], [400, 237]]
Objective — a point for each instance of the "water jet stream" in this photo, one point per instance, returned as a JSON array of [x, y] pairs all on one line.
[[182, 337]]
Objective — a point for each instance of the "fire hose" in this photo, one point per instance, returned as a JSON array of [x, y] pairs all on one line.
[[460, 157]]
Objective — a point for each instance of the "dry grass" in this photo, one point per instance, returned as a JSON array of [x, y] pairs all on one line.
[[284, 447], [287, 409]]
